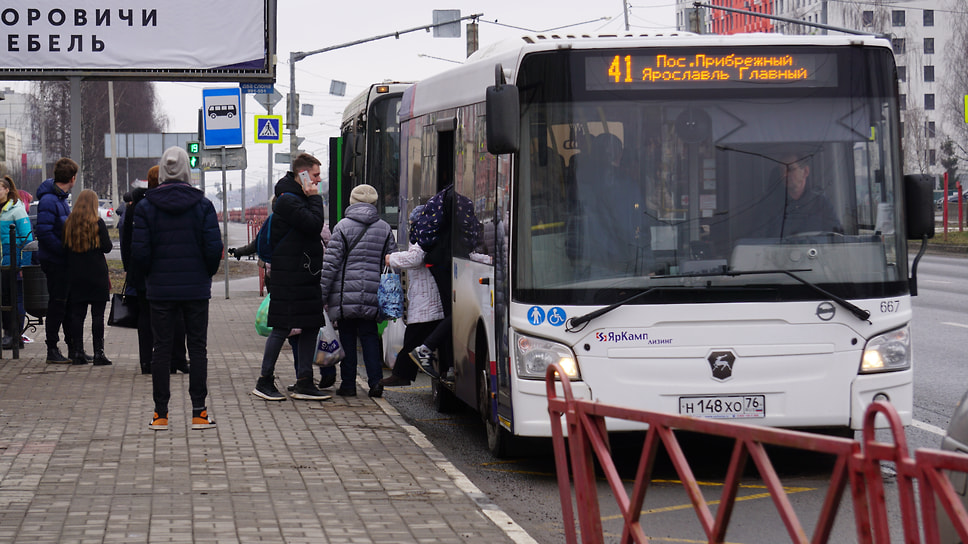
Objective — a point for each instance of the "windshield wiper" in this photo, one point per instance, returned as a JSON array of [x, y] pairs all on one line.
[[858, 312], [574, 323]]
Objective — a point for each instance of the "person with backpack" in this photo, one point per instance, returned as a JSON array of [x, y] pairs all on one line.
[[350, 281], [448, 227], [296, 258]]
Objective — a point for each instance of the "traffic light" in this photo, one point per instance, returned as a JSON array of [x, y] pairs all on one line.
[[193, 149]]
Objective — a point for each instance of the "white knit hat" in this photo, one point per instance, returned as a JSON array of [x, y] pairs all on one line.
[[174, 165], [363, 193]]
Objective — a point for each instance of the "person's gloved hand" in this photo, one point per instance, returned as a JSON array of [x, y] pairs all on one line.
[[234, 252]]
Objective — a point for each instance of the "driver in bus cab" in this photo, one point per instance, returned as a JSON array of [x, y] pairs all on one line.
[[805, 209]]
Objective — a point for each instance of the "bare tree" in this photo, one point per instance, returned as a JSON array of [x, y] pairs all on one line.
[[916, 142], [135, 105], [955, 87]]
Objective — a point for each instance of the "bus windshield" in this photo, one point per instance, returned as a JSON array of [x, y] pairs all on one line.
[[624, 183], [383, 154]]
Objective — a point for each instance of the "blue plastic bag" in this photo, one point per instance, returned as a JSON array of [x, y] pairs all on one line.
[[390, 295]]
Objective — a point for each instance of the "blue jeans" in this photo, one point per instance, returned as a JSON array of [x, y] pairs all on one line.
[[365, 330]]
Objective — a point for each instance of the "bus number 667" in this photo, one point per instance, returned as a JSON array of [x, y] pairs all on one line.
[[890, 306]]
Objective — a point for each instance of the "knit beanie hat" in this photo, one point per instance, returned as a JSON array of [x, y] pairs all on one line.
[[174, 165], [363, 193]]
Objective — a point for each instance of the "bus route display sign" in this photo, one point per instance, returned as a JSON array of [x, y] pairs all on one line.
[[713, 68]]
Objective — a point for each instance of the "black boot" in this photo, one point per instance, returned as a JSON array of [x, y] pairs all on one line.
[[100, 359], [54, 356], [73, 355], [78, 359]]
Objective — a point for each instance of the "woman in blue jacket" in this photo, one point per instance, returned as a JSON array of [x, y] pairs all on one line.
[[12, 212]]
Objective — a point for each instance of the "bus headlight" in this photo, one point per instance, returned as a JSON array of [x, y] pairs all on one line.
[[888, 352], [533, 355]]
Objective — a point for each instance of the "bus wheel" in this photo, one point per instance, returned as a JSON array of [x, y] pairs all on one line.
[[500, 442], [443, 398]]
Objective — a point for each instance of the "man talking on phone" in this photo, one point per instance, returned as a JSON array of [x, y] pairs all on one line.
[[297, 258]]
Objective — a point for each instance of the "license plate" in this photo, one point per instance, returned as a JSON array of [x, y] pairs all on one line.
[[724, 406]]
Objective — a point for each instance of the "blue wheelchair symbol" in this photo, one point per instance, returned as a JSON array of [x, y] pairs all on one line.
[[557, 317], [536, 315]]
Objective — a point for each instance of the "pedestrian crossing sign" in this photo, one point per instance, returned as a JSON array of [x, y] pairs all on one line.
[[268, 129]]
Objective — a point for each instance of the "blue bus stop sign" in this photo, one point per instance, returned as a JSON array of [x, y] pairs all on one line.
[[222, 111]]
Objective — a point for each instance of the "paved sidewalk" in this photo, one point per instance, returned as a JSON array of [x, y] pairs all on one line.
[[78, 462]]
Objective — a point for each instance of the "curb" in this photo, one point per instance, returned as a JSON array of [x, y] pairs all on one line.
[[499, 517]]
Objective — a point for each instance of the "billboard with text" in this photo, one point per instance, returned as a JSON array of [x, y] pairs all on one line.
[[217, 40]]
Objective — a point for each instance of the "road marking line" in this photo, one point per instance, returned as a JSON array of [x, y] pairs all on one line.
[[928, 427], [962, 325], [755, 496]]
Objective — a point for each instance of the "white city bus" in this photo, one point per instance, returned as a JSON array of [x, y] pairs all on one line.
[[637, 226], [368, 150]]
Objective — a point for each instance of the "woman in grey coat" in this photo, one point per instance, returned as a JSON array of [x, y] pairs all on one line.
[[350, 281]]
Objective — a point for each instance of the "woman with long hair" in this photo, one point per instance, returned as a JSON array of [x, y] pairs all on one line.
[[86, 239], [12, 212]]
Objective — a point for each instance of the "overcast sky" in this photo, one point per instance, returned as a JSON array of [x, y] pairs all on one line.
[[310, 25]]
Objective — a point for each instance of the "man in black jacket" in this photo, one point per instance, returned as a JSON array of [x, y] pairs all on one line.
[[297, 258], [177, 244]]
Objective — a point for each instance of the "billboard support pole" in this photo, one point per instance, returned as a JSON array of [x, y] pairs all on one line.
[[76, 134], [114, 149]]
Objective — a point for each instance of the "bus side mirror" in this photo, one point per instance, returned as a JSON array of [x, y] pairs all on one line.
[[919, 206], [503, 115]]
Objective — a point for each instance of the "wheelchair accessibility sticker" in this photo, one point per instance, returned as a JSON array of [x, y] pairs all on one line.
[[556, 316]]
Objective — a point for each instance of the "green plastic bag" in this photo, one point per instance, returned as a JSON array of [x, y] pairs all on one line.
[[262, 318]]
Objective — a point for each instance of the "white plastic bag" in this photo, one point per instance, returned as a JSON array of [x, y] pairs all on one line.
[[392, 341], [329, 351]]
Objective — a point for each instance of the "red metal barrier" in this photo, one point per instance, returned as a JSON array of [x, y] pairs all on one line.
[[857, 463]]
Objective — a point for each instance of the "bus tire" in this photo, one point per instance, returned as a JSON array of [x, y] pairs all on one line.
[[500, 442]]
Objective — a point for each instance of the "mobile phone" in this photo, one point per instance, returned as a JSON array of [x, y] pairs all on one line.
[[304, 178]]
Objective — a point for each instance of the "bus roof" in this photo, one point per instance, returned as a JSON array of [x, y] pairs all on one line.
[[466, 84], [360, 101]]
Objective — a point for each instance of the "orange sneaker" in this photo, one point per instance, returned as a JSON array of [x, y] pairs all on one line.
[[202, 421], [159, 423]]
